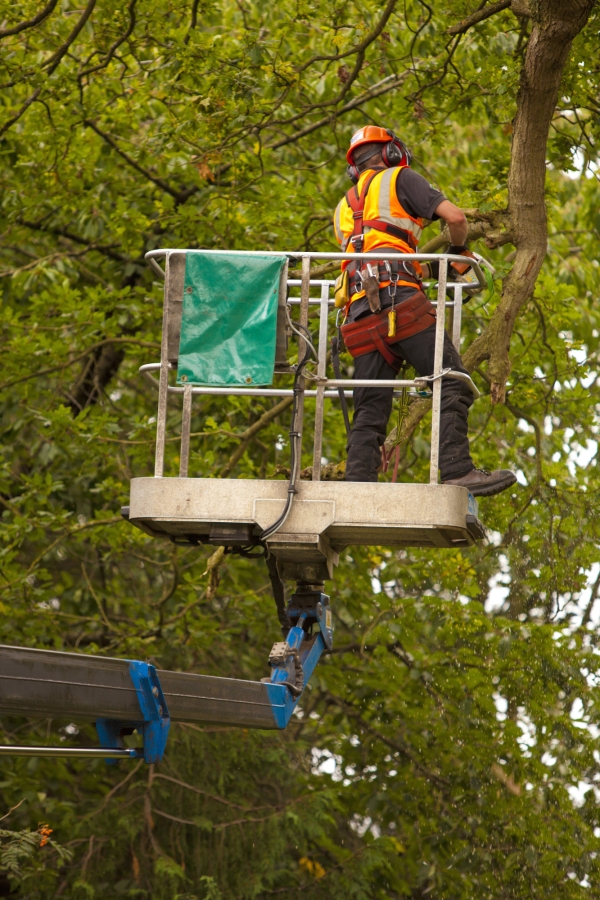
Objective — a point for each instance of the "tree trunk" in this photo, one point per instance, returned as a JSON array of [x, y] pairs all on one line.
[[556, 23]]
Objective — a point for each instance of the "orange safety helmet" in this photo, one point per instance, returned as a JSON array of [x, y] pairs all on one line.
[[393, 153]]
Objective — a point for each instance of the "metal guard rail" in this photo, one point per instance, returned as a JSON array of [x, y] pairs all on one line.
[[325, 387]]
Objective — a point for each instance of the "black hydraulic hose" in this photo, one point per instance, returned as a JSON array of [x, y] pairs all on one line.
[[278, 589], [296, 688], [295, 456], [335, 361]]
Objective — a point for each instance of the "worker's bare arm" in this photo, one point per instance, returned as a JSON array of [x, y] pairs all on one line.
[[455, 220]]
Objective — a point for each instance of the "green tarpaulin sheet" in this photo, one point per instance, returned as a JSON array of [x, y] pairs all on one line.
[[229, 319]]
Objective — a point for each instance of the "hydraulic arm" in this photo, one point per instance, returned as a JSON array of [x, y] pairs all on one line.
[[123, 696]]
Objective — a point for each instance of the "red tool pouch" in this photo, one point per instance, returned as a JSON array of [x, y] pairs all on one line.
[[371, 333]]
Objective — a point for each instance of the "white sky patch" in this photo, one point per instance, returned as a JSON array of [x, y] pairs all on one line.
[[501, 706], [326, 763], [577, 792], [528, 737], [495, 538], [577, 606], [499, 585], [580, 167], [589, 379], [362, 824], [577, 714], [580, 456], [579, 354], [548, 759]]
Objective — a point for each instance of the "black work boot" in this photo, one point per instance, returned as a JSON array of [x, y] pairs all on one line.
[[485, 484]]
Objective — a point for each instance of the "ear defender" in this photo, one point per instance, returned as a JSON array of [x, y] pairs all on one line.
[[391, 155], [396, 153], [353, 174]]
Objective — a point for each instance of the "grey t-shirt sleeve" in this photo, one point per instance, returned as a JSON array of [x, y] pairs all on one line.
[[417, 196]]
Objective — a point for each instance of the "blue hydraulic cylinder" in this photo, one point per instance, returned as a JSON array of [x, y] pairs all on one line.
[[282, 693]]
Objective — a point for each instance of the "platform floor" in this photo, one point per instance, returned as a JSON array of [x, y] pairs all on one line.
[[346, 513]]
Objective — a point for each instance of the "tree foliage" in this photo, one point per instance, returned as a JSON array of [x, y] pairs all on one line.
[[447, 746]]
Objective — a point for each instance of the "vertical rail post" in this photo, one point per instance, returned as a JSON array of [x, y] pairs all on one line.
[[437, 369], [281, 343], [186, 423], [302, 348], [163, 385], [321, 373], [457, 316]]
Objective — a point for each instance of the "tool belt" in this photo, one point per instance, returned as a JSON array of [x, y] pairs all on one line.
[[371, 333], [392, 273]]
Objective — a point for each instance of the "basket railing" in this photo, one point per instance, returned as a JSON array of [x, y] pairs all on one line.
[[325, 387]]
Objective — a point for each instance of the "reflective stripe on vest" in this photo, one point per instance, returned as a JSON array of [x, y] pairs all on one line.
[[340, 237], [382, 203]]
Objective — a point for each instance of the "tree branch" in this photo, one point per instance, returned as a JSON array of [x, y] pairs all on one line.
[[179, 196], [71, 362], [399, 748], [21, 112], [246, 436], [479, 16], [347, 107], [56, 57], [358, 48], [62, 232], [382, 87], [193, 21], [30, 23], [116, 44]]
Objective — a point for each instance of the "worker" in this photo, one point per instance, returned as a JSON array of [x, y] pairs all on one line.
[[388, 318]]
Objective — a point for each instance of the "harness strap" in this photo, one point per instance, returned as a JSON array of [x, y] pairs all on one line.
[[356, 287], [356, 202], [383, 348], [394, 230], [371, 332], [385, 460]]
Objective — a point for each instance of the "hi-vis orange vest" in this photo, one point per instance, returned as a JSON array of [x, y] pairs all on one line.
[[381, 209]]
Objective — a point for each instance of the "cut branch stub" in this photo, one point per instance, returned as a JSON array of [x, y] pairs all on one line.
[[492, 227]]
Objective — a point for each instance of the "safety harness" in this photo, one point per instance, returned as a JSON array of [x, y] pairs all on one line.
[[363, 275], [373, 332], [379, 330], [356, 201]]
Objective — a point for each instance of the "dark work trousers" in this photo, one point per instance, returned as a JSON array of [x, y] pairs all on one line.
[[373, 406]]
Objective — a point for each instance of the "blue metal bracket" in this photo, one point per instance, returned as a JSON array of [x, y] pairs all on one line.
[[154, 722], [283, 689]]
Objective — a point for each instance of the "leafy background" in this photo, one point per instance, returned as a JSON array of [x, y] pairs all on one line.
[[447, 748]]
